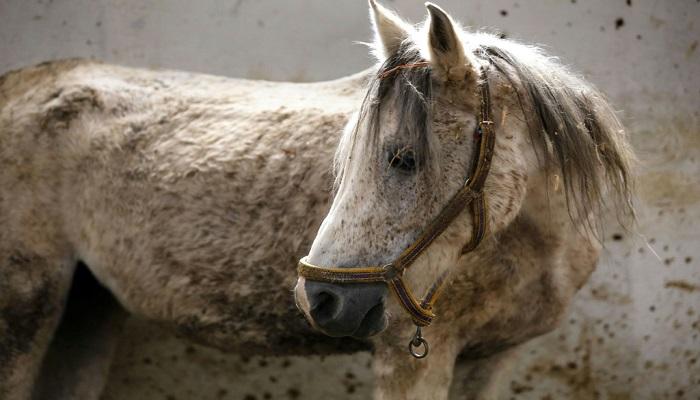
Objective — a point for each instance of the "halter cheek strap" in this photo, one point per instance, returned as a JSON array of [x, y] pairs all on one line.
[[471, 194]]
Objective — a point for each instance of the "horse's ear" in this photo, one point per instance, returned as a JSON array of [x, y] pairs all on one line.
[[446, 49], [389, 30]]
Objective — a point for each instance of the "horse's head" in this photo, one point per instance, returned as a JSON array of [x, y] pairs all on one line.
[[412, 146]]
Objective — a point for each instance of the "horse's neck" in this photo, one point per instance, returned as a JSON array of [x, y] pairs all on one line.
[[544, 226]]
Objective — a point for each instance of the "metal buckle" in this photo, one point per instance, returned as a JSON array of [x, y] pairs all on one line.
[[480, 129], [390, 272]]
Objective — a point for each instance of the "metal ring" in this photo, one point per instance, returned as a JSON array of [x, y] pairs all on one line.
[[390, 272], [415, 344]]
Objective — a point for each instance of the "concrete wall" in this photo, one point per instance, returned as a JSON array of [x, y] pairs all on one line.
[[634, 329]]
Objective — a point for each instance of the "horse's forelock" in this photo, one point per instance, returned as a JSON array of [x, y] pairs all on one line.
[[404, 84]]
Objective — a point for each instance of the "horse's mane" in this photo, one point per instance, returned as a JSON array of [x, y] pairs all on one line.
[[574, 129]]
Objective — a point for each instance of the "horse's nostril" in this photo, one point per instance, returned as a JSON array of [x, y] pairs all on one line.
[[325, 306], [373, 322]]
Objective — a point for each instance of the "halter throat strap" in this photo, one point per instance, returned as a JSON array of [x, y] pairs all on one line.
[[471, 195]]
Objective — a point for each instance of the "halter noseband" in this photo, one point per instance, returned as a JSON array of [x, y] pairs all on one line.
[[472, 193]]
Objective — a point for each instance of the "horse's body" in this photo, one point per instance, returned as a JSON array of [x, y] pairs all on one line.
[[191, 197], [186, 195]]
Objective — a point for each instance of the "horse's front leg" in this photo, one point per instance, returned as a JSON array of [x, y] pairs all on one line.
[[482, 378], [401, 376]]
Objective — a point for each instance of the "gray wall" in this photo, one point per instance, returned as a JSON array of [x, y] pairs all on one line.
[[633, 330]]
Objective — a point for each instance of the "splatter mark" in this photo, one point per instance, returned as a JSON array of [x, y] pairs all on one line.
[[619, 23], [656, 22], [293, 393], [236, 7], [138, 24], [682, 285]]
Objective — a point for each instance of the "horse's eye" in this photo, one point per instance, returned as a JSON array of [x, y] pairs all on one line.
[[402, 159]]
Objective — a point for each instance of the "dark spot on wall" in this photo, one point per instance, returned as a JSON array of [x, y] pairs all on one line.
[[617, 237], [250, 397], [504, 13], [138, 24], [639, 37], [293, 393], [236, 7], [619, 23], [629, 3], [688, 259]]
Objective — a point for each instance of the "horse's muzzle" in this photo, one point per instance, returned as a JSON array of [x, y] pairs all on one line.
[[338, 310]]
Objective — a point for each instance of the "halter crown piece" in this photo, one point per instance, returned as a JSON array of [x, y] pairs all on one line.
[[471, 194]]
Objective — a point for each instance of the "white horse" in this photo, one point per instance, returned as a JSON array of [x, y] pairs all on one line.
[[401, 166], [191, 197]]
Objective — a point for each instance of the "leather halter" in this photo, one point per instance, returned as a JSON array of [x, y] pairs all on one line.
[[471, 194]]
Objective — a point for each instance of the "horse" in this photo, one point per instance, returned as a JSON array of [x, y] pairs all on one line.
[[454, 121], [191, 198]]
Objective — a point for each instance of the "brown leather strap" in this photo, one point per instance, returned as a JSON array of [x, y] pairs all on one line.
[[471, 194]]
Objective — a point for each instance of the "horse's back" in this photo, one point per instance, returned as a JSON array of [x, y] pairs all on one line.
[[61, 121]]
